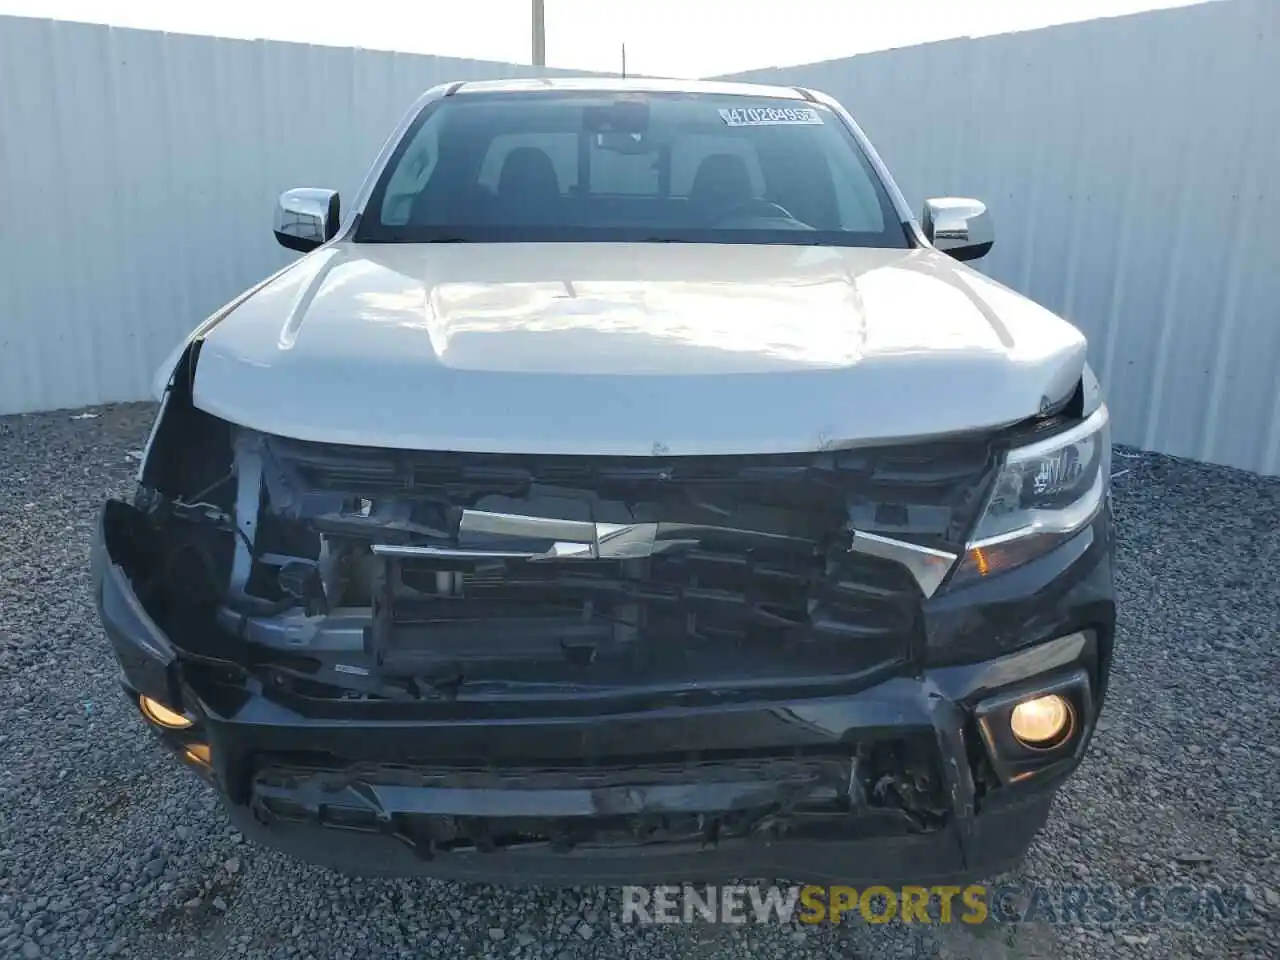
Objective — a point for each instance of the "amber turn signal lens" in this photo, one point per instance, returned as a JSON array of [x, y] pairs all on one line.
[[162, 716], [1041, 722]]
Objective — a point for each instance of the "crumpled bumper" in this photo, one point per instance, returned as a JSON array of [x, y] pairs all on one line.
[[996, 844], [891, 783]]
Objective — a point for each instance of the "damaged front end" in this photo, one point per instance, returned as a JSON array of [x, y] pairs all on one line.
[[574, 657]]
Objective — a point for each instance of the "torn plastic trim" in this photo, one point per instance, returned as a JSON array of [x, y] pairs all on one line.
[[927, 566], [147, 658], [949, 723], [886, 786]]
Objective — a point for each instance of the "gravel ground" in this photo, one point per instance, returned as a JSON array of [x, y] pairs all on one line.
[[108, 848]]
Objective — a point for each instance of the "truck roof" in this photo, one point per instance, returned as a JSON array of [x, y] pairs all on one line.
[[631, 85]]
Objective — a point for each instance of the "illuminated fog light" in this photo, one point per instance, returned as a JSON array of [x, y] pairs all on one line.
[[1042, 722], [162, 716], [198, 753]]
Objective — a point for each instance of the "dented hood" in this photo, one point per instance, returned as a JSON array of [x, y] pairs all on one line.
[[631, 349]]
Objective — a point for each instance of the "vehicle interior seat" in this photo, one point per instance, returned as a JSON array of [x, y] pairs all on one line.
[[528, 189], [721, 184]]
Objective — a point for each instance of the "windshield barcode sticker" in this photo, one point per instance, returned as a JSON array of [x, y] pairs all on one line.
[[768, 116]]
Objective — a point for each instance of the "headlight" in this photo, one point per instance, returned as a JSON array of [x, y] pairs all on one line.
[[1045, 493]]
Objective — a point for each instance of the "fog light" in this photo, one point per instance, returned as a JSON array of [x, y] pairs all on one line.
[[198, 753], [1042, 722], [162, 716]]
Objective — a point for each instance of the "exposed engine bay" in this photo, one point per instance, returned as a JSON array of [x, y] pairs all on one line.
[[409, 573], [359, 589]]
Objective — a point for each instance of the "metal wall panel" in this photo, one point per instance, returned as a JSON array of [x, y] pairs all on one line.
[[1131, 166], [1128, 163], [138, 173]]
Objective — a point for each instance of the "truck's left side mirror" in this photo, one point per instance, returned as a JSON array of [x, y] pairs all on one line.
[[306, 217], [959, 227]]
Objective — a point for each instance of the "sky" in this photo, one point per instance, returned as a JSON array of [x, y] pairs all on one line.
[[682, 38]]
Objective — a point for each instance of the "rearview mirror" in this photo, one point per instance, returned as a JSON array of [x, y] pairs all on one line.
[[959, 227], [629, 144], [306, 217]]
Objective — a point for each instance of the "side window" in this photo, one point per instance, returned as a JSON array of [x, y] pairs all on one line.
[[856, 198], [411, 175], [562, 148], [690, 150]]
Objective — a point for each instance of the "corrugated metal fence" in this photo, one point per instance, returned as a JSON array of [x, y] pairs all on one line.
[[138, 174], [1131, 166]]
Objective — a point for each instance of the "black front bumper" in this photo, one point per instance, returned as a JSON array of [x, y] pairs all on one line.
[[897, 781]]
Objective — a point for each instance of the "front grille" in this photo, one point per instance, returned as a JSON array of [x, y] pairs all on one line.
[[929, 492], [764, 570], [702, 593]]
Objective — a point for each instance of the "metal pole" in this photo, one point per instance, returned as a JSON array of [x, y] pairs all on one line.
[[624, 61], [539, 34]]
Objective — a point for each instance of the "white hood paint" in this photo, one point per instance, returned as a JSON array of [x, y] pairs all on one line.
[[631, 349]]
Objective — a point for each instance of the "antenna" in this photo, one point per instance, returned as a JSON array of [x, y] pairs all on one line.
[[624, 61]]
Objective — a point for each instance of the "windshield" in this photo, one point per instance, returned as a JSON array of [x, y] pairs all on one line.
[[564, 166]]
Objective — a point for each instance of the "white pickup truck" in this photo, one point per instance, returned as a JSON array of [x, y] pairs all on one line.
[[624, 485]]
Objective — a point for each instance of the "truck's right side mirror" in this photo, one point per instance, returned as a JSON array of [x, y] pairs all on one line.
[[959, 227], [306, 217]]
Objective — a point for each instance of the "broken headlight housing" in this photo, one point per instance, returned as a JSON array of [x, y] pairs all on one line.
[[1045, 493]]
